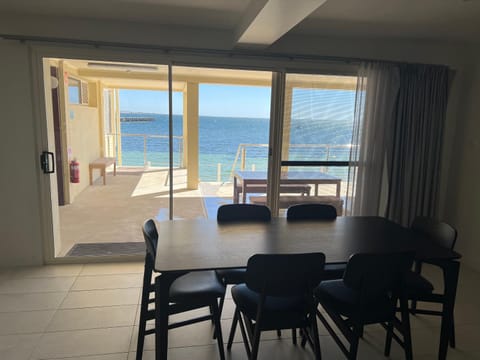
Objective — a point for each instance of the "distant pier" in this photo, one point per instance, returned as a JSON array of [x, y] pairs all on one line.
[[136, 118]]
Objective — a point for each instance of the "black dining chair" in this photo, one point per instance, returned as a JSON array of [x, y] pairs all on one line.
[[368, 294], [420, 288], [277, 294], [232, 213], [318, 212], [191, 291]]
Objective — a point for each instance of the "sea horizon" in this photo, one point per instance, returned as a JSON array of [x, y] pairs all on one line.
[[220, 138], [200, 115]]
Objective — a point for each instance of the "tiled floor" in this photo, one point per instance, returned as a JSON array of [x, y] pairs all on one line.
[[90, 312]]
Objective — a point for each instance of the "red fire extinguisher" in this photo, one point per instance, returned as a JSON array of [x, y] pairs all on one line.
[[74, 171]]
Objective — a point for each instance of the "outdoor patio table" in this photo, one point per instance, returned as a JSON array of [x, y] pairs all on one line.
[[202, 244], [252, 178]]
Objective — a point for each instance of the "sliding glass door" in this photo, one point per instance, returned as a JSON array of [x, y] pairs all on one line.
[[318, 114], [221, 136]]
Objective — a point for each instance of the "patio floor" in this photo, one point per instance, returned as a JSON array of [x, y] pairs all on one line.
[[115, 212]]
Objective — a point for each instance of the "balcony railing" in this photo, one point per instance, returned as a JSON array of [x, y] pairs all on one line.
[[144, 149], [254, 156], [152, 150]]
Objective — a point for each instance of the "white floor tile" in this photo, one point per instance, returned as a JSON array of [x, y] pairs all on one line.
[[46, 271], [119, 356], [33, 285], [30, 302], [114, 268], [83, 343], [18, 347], [100, 282], [95, 317], [98, 298], [92, 318], [25, 322]]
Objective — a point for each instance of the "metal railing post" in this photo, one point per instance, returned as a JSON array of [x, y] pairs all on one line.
[[244, 158], [144, 150], [219, 172]]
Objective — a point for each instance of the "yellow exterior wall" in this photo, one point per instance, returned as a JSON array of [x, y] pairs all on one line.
[[83, 135], [81, 125], [190, 134]]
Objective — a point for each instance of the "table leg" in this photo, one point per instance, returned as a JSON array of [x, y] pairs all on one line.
[[450, 275], [244, 192], [339, 184], [114, 168], [104, 173], [235, 191], [316, 189], [90, 170], [162, 289]]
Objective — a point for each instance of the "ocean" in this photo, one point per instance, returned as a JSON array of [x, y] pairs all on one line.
[[220, 138]]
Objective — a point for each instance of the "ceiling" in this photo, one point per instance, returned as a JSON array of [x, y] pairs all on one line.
[[456, 20]]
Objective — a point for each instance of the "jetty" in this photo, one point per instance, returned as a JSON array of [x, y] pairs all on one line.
[[136, 118]]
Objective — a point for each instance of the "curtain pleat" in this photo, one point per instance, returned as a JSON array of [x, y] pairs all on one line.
[[415, 155], [377, 88], [397, 141]]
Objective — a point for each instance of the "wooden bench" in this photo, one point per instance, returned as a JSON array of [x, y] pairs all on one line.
[[302, 189], [102, 164], [287, 201]]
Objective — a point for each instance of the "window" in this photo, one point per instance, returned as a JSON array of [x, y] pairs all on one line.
[[77, 91]]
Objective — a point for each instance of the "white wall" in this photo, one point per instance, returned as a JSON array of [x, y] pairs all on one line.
[[462, 206], [18, 123], [20, 230]]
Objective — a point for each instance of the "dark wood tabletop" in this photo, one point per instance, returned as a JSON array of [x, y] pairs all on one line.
[[190, 245]]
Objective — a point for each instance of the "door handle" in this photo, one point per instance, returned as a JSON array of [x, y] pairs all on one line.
[[47, 162]]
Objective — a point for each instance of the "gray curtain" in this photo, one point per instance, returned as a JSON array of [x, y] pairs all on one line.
[[416, 144], [377, 90]]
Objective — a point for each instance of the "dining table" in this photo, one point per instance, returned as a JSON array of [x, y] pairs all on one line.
[[204, 244]]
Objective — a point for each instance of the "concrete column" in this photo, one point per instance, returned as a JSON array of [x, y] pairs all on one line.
[[190, 133]]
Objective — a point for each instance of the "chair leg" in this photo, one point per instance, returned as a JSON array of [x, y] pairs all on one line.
[[452, 334], [245, 337], [294, 336], [233, 329], [214, 336], [141, 334], [218, 328], [413, 307], [147, 278], [352, 354], [388, 340], [279, 333], [220, 305], [316, 338], [407, 338], [255, 342]]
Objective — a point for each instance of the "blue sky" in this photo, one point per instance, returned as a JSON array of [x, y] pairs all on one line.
[[215, 100]]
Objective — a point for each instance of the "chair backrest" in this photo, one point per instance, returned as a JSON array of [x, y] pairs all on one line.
[[243, 212], [284, 274], [150, 235], [376, 276], [311, 212], [441, 233]]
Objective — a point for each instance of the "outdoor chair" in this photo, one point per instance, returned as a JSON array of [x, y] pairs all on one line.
[[231, 213], [277, 294], [419, 288], [191, 291], [368, 294], [320, 212]]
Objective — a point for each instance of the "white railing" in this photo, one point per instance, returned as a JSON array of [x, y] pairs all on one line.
[[314, 152], [147, 142]]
